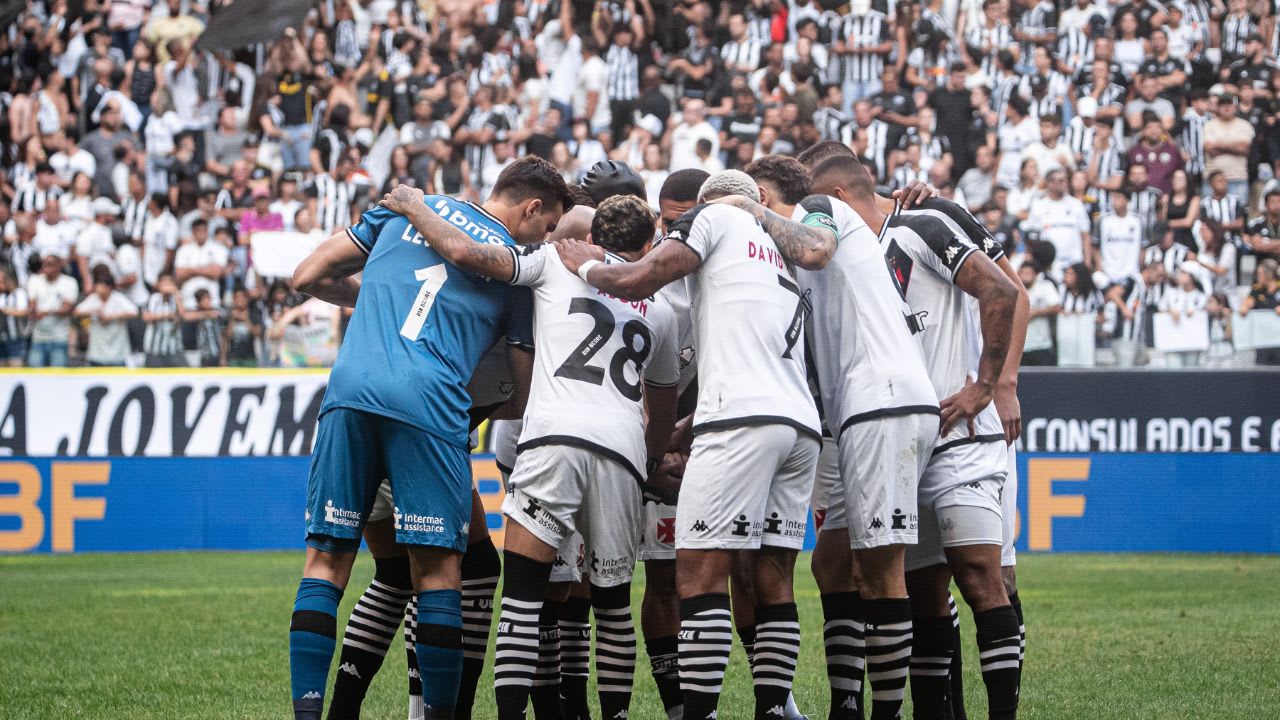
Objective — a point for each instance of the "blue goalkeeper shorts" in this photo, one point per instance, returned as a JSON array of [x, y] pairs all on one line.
[[430, 482]]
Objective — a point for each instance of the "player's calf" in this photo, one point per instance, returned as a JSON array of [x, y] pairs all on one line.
[[660, 622], [314, 625], [370, 630], [481, 568]]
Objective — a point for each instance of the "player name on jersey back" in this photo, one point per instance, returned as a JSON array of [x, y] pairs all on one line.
[[867, 361], [593, 352], [748, 316]]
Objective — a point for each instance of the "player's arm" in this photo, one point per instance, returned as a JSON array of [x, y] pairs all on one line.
[[520, 361], [808, 244], [327, 273], [492, 261], [637, 280], [997, 298], [660, 407], [1007, 404]]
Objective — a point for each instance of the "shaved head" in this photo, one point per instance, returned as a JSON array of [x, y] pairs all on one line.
[[846, 173], [825, 150], [574, 224]]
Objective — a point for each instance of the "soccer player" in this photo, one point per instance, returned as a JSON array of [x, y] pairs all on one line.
[[396, 407], [755, 429], [584, 439], [883, 412], [961, 529]]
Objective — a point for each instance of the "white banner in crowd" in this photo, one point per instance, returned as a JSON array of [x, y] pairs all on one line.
[[1076, 340], [159, 413], [1258, 329], [1184, 333], [278, 253]]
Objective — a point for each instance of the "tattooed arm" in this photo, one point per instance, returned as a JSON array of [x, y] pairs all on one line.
[[637, 280], [997, 298], [803, 245], [493, 261]]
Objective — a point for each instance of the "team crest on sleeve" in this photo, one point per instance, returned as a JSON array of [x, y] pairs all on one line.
[[900, 265]]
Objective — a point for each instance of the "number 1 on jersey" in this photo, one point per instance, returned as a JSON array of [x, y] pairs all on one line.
[[432, 279]]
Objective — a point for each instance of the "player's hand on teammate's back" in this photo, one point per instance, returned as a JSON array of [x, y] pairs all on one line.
[[964, 405], [1010, 411], [915, 193], [573, 253], [402, 198]]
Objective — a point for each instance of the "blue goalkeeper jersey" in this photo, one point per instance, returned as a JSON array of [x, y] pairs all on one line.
[[421, 325]]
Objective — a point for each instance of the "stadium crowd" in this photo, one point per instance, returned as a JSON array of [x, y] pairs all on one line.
[[1126, 154]]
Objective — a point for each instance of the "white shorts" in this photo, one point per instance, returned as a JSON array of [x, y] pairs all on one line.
[[825, 482], [658, 536], [960, 502], [1009, 512], [745, 487], [567, 567], [557, 490], [503, 437], [881, 462], [383, 505]]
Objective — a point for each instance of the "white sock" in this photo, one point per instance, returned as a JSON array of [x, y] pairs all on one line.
[[416, 711]]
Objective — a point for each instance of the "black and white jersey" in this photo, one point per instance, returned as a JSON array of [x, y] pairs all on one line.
[[925, 249], [1039, 20], [1073, 304], [1120, 244], [480, 154], [134, 219], [1079, 139], [1193, 140], [1171, 258], [333, 201], [1223, 210], [162, 337], [748, 315], [864, 31], [1135, 294], [741, 54], [1075, 49], [760, 24], [997, 37], [878, 147], [1145, 203], [1112, 96], [14, 328], [867, 362], [30, 198], [1110, 166], [830, 121], [904, 175], [593, 353], [1235, 30], [330, 144], [624, 73]]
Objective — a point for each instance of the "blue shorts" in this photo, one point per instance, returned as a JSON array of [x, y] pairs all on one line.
[[430, 482]]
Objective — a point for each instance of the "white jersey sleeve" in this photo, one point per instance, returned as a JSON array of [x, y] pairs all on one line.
[[530, 263], [663, 369]]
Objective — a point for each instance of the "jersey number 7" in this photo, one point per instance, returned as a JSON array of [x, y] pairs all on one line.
[[575, 367]]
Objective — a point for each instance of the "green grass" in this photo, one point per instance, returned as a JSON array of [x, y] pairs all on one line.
[[203, 635]]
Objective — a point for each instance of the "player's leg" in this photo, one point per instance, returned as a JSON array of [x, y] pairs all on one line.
[[345, 471], [575, 642], [956, 691], [660, 606], [545, 695], [742, 601], [431, 485], [1008, 554], [928, 582], [376, 616], [612, 513], [835, 571], [481, 568], [722, 500], [545, 491], [777, 640]]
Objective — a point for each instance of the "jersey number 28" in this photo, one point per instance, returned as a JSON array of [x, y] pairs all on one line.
[[575, 367]]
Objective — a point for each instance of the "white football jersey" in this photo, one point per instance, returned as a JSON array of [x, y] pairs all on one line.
[[1120, 244], [867, 362], [748, 318], [592, 354], [925, 248], [676, 295]]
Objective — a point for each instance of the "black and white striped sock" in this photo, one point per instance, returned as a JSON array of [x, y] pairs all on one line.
[[416, 709], [615, 649], [481, 567], [575, 657], [842, 637], [888, 636], [370, 630], [1016, 602], [777, 650], [516, 658], [706, 637], [546, 680], [998, 651], [933, 644], [664, 661], [956, 694]]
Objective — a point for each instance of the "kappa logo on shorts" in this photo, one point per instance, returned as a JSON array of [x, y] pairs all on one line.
[[973, 485], [740, 526], [876, 524], [699, 526], [773, 524]]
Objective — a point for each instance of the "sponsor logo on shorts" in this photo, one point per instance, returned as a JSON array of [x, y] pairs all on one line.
[[610, 565], [539, 514], [819, 517], [412, 522], [775, 525], [667, 530], [741, 525], [699, 526], [335, 515], [876, 524], [902, 521]]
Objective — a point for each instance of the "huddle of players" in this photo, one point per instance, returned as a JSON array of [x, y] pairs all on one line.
[[901, 507]]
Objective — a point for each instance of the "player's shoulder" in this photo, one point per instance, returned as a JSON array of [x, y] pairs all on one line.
[[680, 229]]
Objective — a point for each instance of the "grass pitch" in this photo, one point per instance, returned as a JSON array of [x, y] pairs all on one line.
[[204, 635]]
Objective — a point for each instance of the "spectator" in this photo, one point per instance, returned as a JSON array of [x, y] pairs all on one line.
[[242, 333], [163, 314], [52, 296], [95, 245], [107, 311], [1165, 251], [1157, 153], [1130, 298], [1120, 240], [1224, 209], [1063, 221], [1048, 152], [1148, 100], [693, 126], [159, 240], [200, 265], [978, 181], [1046, 302], [224, 144], [1183, 301], [1181, 208], [1217, 256], [1017, 133], [102, 143], [15, 326], [1227, 139], [1263, 233], [286, 203], [54, 235], [206, 321]]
